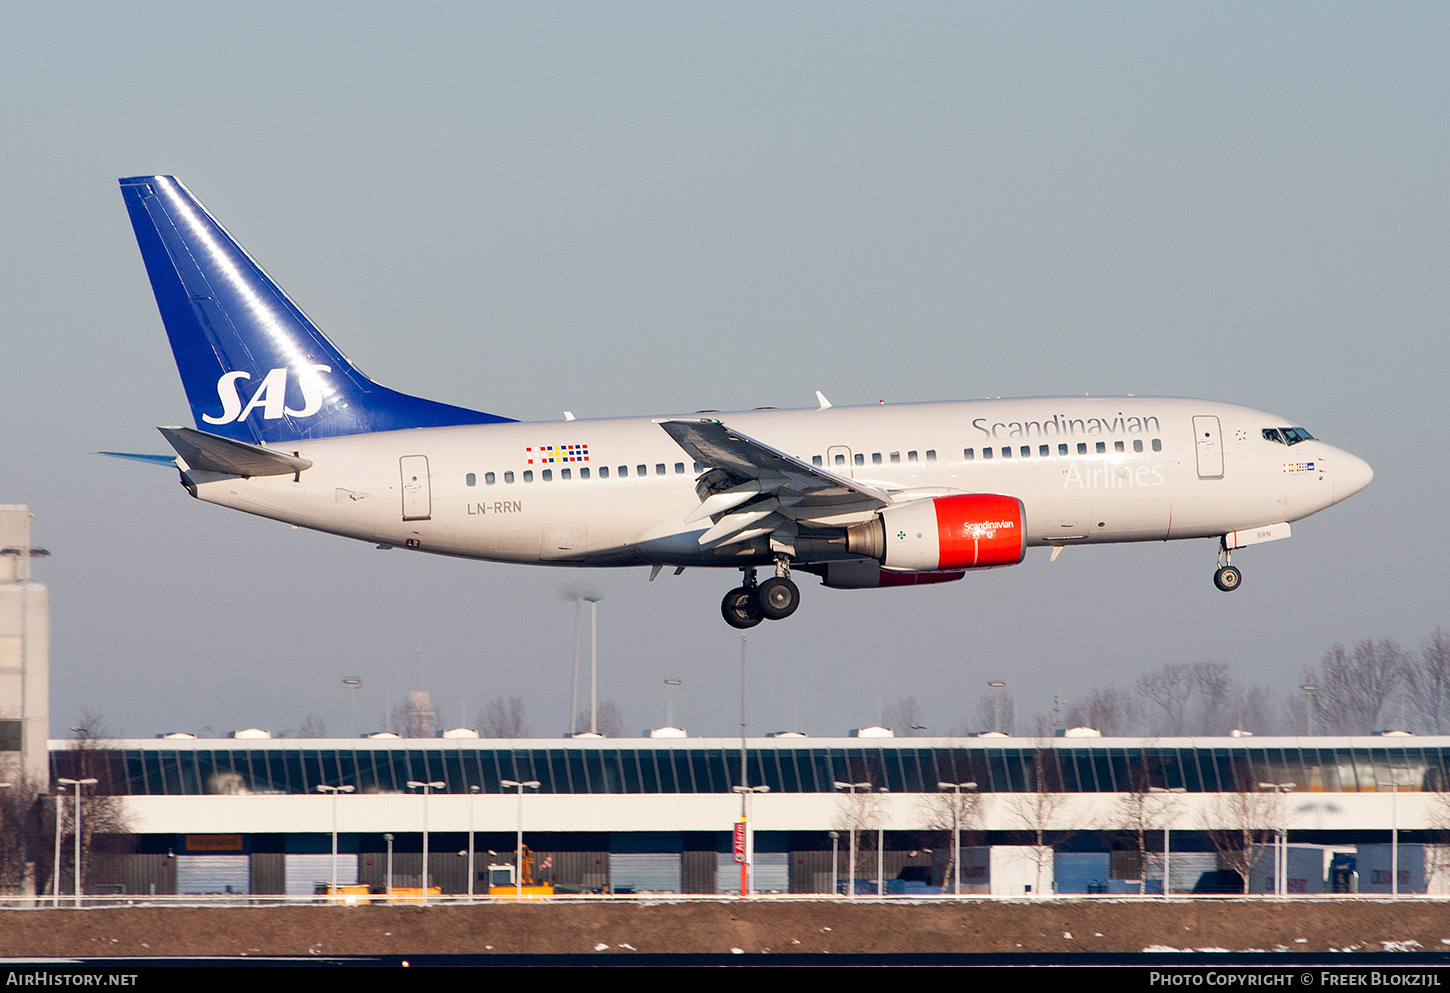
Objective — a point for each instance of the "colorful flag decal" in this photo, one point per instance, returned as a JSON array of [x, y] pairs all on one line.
[[548, 454]]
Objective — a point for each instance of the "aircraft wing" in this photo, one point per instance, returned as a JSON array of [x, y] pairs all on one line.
[[763, 490]]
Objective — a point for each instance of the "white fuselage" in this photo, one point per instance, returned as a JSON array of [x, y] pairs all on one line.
[[1087, 470]]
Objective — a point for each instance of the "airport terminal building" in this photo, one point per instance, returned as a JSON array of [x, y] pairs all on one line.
[[1067, 814]]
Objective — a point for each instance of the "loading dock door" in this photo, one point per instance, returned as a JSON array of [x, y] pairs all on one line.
[[1209, 446], [417, 496]]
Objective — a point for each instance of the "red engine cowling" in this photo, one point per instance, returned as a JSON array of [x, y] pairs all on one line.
[[962, 531]]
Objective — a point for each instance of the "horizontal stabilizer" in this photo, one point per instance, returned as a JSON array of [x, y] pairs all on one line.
[[213, 453], [167, 460]]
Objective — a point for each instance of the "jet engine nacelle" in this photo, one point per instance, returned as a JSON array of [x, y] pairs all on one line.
[[962, 531]]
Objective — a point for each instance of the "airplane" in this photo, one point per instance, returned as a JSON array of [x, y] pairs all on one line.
[[863, 497]]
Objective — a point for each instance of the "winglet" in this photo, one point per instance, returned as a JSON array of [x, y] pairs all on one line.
[[821, 399]]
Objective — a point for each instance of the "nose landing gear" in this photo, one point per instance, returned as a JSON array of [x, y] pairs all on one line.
[[775, 599]]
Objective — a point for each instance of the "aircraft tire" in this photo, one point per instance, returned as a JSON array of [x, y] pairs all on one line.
[[1228, 578], [740, 608], [777, 598]]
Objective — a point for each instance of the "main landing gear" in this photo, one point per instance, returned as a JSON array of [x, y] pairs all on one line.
[[773, 600], [1226, 577]]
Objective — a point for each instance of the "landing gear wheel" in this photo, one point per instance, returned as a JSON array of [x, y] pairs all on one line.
[[1228, 578], [740, 609], [778, 598]]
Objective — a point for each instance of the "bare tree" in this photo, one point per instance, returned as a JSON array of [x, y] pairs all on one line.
[[416, 718], [502, 718], [1106, 708], [1428, 680], [905, 717], [1188, 698], [20, 834], [609, 720], [1356, 686], [313, 726], [102, 807], [1040, 810], [946, 811], [1249, 819]]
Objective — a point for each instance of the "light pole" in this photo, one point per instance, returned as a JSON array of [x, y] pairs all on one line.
[[532, 784], [472, 805], [334, 790], [352, 683], [593, 664], [388, 837], [747, 863], [1309, 689], [1167, 792], [881, 852], [55, 871], [1281, 840], [835, 850], [1394, 838], [956, 789], [77, 783], [671, 686], [851, 789], [425, 787], [997, 685]]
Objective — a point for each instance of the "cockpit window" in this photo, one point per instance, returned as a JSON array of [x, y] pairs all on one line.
[[1287, 436]]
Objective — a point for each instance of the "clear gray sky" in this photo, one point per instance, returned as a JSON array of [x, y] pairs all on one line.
[[640, 209]]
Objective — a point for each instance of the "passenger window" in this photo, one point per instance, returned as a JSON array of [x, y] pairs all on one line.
[[489, 478], [1082, 448], [860, 459], [1062, 449], [911, 456], [816, 461], [659, 468], [1117, 446], [1157, 445], [875, 458], [679, 468], [968, 454], [1137, 444], [1026, 451], [1006, 451], [548, 475], [698, 467], [895, 458], [604, 472], [470, 480], [986, 453], [641, 470], [623, 471], [1044, 450], [508, 477], [566, 474], [528, 475], [931, 454], [840, 459], [584, 473], [1101, 447]]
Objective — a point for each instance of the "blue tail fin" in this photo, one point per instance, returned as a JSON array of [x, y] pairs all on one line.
[[254, 367]]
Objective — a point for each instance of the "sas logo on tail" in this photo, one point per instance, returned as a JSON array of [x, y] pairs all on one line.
[[270, 396]]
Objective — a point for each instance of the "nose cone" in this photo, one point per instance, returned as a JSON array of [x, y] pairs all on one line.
[[1351, 474]]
